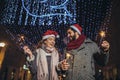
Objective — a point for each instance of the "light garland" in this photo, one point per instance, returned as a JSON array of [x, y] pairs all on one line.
[[40, 12], [33, 17]]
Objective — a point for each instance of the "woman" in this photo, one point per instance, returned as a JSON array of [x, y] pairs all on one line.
[[44, 62]]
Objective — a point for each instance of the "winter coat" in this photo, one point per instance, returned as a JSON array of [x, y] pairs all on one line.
[[39, 66], [82, 64]]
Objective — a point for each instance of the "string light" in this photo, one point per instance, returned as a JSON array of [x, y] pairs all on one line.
[[2, 44], [33, 17], [36, 12]]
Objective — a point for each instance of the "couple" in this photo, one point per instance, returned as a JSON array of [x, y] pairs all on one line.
[[44, 61]]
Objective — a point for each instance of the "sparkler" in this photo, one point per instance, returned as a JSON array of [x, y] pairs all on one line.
[[102, 36]]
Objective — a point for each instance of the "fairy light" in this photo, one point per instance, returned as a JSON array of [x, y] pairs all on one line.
[[2, 44], [32, 17], [36, 12]]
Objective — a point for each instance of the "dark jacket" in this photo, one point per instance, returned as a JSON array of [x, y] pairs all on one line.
[[31, 64]]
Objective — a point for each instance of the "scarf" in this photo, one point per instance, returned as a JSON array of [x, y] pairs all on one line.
[[76, 43], [42, 67]]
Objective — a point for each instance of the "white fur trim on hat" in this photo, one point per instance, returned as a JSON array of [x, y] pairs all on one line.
[[47, 36], [76, 29], [57, 36]]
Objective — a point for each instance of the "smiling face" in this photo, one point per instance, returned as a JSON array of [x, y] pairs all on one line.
[[71, 34], [50, 42]]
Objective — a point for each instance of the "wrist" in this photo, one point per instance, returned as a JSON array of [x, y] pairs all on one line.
[[30, 56]]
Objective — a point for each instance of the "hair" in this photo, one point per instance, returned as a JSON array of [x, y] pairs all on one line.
[[40, 43]]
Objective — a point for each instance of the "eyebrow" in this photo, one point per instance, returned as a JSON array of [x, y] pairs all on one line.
[[69, 32]]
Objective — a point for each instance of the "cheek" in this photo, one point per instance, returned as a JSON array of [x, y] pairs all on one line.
[[46, 43], [49, 42]]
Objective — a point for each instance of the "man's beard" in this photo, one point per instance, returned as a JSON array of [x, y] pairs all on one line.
[[73, 38]]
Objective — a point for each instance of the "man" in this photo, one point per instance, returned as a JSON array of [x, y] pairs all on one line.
[[44, 62], [83, 53]]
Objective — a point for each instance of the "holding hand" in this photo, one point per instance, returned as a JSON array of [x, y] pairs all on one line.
[[64, 65], [105, 45], [27, 51]]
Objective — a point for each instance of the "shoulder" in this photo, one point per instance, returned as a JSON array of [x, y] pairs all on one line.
[[39, 50], [88, 41]]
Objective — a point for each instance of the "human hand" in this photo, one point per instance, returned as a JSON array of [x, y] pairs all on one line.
[[64, 65], [105, 45], [27, 51]]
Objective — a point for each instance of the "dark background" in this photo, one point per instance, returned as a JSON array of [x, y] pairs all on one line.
[[15, 57]]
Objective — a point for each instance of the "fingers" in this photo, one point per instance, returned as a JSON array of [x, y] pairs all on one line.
[[64, 61], [27, 50], [105, 45], [65, 65]]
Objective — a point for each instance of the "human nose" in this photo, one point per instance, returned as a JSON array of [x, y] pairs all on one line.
[[68, 35]]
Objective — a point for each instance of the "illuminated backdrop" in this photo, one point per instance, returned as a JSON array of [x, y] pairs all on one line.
[[39, 12], [33, 17]]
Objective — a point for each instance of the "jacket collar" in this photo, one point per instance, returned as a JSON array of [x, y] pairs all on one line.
[[87, 40]]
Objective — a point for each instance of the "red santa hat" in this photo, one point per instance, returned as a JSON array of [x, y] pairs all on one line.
[[50, 33], [77, 28]]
